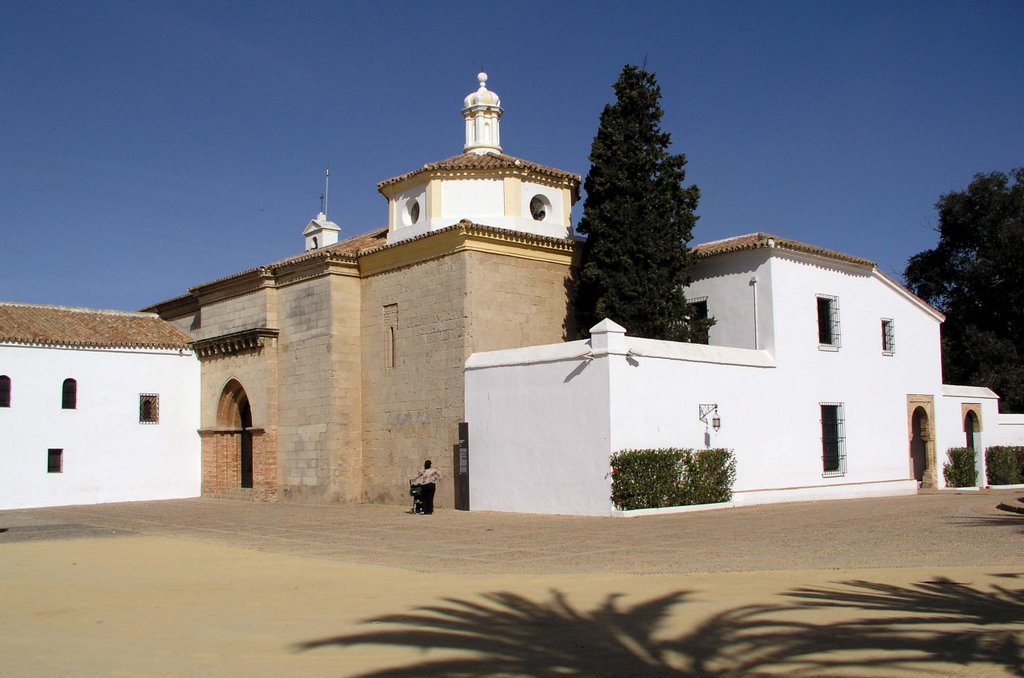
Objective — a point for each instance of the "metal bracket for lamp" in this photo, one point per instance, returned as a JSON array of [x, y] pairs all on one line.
[[705, 410]]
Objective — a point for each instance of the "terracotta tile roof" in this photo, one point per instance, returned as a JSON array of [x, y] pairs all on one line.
[[754, 241], [487, 161], [67, 326], [475, 228], [347, 248]]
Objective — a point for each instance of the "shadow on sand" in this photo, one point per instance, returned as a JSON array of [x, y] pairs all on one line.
[[869, 629]]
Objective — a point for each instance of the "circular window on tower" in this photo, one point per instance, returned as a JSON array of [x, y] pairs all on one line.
[[540, 207], [412, 212]]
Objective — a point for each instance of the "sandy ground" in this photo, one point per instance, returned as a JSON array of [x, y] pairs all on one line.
[[194, 588]]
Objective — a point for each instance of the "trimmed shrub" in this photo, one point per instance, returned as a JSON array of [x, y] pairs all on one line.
[[1005, 465], [671, 477], [647, 478], [708, 476], [960, 471]]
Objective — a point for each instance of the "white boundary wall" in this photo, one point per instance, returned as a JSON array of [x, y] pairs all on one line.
[[108, 455], [544, 421]]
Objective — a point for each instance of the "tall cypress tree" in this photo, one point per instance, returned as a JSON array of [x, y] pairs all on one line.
[[638, 218]]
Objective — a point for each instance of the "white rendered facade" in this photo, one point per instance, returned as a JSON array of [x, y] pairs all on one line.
[[106, 453], [553, 415]]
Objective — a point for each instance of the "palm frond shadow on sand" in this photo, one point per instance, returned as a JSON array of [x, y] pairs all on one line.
[[892, 628]]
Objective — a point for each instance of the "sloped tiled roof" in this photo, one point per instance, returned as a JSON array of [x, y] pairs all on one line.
[[349, 247], [486, 161], [86, 327], [754, 241]]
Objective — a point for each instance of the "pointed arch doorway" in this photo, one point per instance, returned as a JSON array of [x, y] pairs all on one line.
[[234, 419], [235, 462]]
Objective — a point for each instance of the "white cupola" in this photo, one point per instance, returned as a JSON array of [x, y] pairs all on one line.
[[481, 185], [320, 232], [482, 111]]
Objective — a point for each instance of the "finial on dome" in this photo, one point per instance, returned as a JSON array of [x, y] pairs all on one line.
[[482, 111]]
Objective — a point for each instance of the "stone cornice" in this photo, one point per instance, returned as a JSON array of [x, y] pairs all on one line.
[[479, 166], [234, 343], [497, 173], [246, 282], [463, 237], [327, 264]]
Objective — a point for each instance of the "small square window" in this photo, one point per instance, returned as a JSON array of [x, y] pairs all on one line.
[[55, 460], [149, 408], [888, 337]]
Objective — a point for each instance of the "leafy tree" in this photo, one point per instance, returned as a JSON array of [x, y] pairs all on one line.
[[976, 277], [638, 218]]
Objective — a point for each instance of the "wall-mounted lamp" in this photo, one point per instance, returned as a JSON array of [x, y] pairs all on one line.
[[712, 409]]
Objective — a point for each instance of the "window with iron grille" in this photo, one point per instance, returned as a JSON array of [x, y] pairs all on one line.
[[149, 408], [55, 460], [5, 391], [833, 440], [69, 395], [888, 337], [698, 311], [828, 322]]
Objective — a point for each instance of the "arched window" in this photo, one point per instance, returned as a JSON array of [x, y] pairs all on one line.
[[69, 395], [970, 428], [5, 391]]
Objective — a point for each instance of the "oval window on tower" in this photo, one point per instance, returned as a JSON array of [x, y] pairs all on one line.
[[540, 207], [412, 212]]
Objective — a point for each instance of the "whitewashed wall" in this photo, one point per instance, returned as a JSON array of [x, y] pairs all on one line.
[[539, 430], [1010, 430], [552, 417], [108, 455], [545, 420], [996, 428]]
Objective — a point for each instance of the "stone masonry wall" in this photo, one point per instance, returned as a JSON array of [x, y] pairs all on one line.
[[345, 427], [237, 313], [447, 309], [305, 388], [513, 302], [410, 411]]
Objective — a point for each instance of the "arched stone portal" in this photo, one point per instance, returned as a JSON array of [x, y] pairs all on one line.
[[234, 419], [920, 421], [235, 462]]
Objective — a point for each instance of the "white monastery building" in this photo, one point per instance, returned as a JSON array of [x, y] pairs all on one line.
[[95, 406], [822, 373], [330, 375]]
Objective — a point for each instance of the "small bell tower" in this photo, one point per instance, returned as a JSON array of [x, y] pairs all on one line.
[[482, 111], [320, 232]]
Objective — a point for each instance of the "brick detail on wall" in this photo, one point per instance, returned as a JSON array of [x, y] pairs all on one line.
[[222, 468]]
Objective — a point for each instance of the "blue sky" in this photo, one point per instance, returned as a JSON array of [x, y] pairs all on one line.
[[146, 147]]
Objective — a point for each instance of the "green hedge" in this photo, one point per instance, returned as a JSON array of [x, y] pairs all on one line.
[[671, 477], [1005, 465], [708, 476], [960, 470]]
